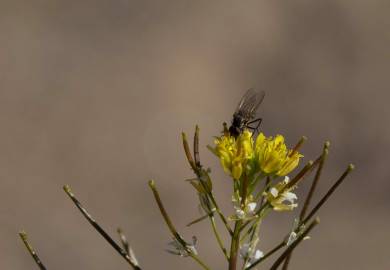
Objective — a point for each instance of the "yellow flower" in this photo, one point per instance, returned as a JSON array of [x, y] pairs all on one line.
[[234, 153], [281, 198], [274, 157], [270, 156]]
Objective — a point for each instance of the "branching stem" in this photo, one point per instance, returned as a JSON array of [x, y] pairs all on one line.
[[100, 230]]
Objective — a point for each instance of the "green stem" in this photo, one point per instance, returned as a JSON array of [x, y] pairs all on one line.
[[196, 167], [235, 243], [294, 245], [172, 228], [199, 261], [126, 246], [217, 209], [310, 195], [217, 236], [281, 245], [255, 229], [309, 216], [301, 174], [100, 230], [34, 255], [257, 220], [328, 194]]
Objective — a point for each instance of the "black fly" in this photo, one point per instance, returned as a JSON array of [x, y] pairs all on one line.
[[243, 117]]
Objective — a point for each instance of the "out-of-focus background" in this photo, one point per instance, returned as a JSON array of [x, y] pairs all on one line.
[[95, 94]]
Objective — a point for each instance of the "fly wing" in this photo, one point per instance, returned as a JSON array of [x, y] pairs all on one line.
[[249, 103]]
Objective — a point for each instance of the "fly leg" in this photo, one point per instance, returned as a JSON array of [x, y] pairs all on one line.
[[256, 123]]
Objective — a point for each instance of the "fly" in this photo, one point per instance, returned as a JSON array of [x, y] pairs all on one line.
[[244, 115]]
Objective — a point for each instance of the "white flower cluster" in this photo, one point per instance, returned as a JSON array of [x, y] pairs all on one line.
[[250, 254]]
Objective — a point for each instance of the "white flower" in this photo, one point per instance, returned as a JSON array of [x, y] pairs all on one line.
[[247, 212], [183, 250], [282, 201], [296, 232], [250, 254], [240, 214], [286, 179], [251, 207]]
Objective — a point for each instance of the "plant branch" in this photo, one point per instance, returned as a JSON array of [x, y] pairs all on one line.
[[126, 246], [235, 243], [34, 255], [294, 244], [172, 228], [100, 230], [198, 170], [218, 237], [304, 221], [268, 254], [310, 195], [301, 174], [328, 194]]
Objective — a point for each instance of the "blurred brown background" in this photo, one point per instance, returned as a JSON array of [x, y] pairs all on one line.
[[95, 94]]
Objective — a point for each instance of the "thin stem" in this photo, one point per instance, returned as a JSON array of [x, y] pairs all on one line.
[[210, 195], [254, 233], [310, 195], [299, 144], [253, 185], [34, 255], [100, 230], [267, 185], [218, 237], [196, 147], [328, 194], [302, 173], [198, 220], [257, 220], [315, 181], [315, 209], [199, 261], [187, 151], [308, 167], [126, 246], [164, 213], [221, 215], [196, 166], [294, 245], [258, 213], [124, 241], [172, 228], [244, 191], [235, 243]]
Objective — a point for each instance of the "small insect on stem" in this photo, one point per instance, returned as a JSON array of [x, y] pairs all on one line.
[[243, 117]]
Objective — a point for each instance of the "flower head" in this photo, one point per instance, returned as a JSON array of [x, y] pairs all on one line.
[[245, 212], [269, 156], [274, 157], [280, 197], [234, 154]]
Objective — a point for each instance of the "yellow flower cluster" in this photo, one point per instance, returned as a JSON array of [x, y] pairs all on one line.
[[234, 153], [274, 157], [269, 156]]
